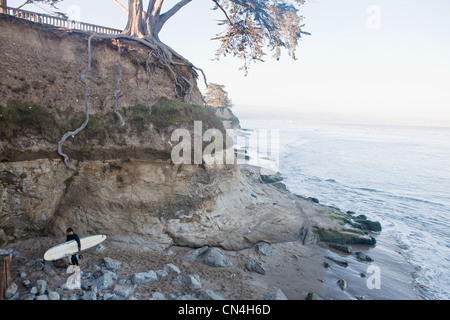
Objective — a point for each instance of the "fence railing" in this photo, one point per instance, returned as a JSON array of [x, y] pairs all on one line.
[[56, 21]]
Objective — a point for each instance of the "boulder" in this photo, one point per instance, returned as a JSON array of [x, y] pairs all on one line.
[[341, 247], [104, 282], [191, 282], [171, 269], [209, 295], [11, 290], [53, 295], [264, 249], [361, 256], [112, 264], [157, 296], [123, 290], [275, 294], [342, 284], [144, 277], [255, 265], [216, 258], [89, 295], [370, 225], [194, 254], [345, 236], [41, 286]]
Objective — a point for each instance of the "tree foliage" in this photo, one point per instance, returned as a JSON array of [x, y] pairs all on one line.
[[216, 96], [253, 26]]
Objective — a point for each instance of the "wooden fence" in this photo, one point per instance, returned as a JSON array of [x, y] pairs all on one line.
[[56, 21]]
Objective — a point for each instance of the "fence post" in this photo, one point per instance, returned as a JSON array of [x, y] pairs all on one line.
[[5, 274]]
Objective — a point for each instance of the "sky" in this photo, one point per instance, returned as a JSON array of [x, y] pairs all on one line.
[[377, 61]]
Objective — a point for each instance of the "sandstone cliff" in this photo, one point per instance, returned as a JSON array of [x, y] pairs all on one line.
[[121, 181]]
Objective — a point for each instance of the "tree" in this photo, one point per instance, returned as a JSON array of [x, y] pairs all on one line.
[[216, 96], [249, 26]]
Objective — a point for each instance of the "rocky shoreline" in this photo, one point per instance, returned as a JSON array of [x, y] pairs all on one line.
[[323, 263]]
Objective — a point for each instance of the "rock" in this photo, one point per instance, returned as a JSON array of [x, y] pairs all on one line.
[[272, 178], [194, 254], [171, 269], [104, 282], [144, 277], [53, 295], [326, 265], [157, 296], [209, 295], [41, 297], [192, 282], [123, 290], [89, 295], [315, 200], [11, 290], [342, 284], [216, 258], [255, 265], [313, 296], [345, 236], [369, 224], [110, 296], [275, 294], [34, 290], [114, 275], [341, 247], [41, 286], [186, 297], [264, 249], [361, 256], [27, 296], [342, 263], [100, 248], [112, 264]]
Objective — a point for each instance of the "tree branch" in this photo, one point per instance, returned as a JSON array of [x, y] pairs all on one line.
[[223, 10], [166, 16], [154, 7], [121, 7]]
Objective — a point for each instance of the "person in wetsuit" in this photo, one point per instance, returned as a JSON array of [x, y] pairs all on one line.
[[74, 236]]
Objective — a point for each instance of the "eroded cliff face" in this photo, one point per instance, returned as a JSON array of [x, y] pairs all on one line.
[[121, 181], [151, 204], [42, 64]]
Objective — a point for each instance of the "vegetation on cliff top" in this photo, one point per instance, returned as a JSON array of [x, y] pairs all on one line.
[[24, 120]]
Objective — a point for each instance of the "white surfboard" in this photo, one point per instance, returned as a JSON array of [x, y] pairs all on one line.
[[69, 248]]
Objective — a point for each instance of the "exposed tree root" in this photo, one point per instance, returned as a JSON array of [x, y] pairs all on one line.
[[163, 53], [85, 98], [116, 92], [150, 76]]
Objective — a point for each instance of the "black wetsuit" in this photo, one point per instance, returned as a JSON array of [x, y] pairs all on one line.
[[77, 239]]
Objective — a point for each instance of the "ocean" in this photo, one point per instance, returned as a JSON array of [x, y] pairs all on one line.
[[397, 175]]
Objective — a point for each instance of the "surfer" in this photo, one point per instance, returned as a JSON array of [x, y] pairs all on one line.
[[74, 236]]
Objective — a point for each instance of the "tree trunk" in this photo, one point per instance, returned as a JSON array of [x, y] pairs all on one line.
[[148, 24], [136, 15]]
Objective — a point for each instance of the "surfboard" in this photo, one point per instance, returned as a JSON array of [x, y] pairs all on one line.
[[69, 248]]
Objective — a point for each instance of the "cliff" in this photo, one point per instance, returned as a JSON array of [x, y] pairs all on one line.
[[122, 181]]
